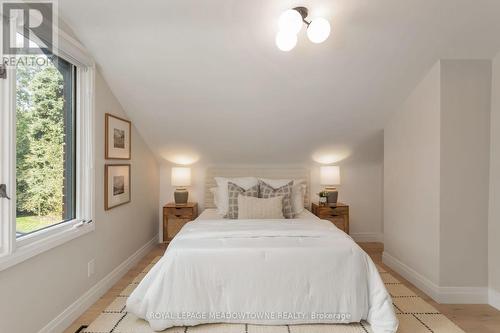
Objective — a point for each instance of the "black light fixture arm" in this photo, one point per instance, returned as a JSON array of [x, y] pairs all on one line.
[[303, 11]]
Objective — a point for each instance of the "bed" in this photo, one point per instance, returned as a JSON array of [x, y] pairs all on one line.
[[272, 272]]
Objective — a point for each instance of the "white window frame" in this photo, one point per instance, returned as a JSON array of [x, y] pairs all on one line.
[[12, 250]]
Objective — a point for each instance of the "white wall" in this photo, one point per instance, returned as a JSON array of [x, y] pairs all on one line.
[[436, 182], [494, 206], [465, 149], [34, 292], [411, 179]]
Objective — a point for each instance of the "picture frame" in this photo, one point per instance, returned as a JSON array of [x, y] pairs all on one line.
[[117, 185], [118, 138]]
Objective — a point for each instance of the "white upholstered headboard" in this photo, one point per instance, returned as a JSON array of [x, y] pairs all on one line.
[[259, 172]]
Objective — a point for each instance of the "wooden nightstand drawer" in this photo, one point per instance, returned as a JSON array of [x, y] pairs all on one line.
[[338, 215], [332, 211], [339, 225], [325, 210], [339, 221], [175, 217], [175, 225], [180, 211], [340, 210], [326, 216]]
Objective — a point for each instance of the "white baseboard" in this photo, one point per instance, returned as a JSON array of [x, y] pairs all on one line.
[[463, 295], [444, 295], [494, 299], [368, 237], [420, 281], [73, 311]]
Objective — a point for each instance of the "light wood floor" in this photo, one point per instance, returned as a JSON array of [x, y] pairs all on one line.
[[471, 318]]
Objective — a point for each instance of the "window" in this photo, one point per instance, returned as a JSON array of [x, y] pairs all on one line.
[[45, 145], [46, 151]]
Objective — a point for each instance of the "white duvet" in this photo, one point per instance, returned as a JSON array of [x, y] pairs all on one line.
[[271, 272]]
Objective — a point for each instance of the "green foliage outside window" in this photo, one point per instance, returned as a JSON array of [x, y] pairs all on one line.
[[40, 141]]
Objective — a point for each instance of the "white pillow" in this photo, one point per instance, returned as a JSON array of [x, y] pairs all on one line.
[[259, 208], [215, 195], [298, 194], [223, 196]]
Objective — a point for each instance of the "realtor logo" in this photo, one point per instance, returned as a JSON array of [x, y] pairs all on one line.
[[27, 27]]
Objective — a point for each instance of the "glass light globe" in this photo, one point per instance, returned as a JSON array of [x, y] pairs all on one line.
[[285, 41], [290, 21], [319, 30]]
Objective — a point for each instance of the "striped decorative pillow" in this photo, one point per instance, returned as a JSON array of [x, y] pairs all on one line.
[[233, 192], [267, 191]]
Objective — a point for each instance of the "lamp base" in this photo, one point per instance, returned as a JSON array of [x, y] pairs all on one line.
[[331, 198], [181, 196]]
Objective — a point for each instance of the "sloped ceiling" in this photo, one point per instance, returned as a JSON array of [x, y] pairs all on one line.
[[204, 77]]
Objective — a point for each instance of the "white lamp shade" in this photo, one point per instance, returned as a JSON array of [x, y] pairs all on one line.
[[290, 21], [330, 175], [286, 41], [319, 30], [181, 176]]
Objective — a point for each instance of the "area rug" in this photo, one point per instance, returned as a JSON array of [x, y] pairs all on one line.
[[414, 314]]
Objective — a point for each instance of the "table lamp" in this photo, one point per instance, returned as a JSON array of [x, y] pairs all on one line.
[[330, 177], [181, 178]]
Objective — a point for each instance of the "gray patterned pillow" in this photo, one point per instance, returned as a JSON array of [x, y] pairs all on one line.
[[233, 192], [267, 191]]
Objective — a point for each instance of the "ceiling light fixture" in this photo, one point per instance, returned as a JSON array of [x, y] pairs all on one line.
[[291, 21], [290, 24], [286, 40]]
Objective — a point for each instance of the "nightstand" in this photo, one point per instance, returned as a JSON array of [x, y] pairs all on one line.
[[338, 215], [176, 216]]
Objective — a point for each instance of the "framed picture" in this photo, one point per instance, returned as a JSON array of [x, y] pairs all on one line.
[[118, 138], [116, 185]]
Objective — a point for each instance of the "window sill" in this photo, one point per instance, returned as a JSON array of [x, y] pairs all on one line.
[[26, 250]]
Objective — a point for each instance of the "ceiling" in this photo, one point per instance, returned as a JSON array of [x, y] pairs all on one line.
[[204, 79]]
